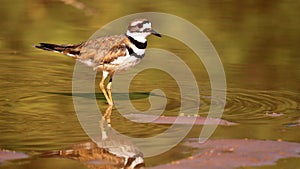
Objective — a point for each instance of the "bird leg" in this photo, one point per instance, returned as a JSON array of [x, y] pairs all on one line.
[[102, 87], [109, 89]]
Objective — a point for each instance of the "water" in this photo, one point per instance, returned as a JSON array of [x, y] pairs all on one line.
[[257, 42]]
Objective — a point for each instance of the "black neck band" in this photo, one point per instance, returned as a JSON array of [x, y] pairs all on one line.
[[138, 44]]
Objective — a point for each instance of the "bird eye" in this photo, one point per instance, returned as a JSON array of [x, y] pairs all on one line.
[[140, 25]]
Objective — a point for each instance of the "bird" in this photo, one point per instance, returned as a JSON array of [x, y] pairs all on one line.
[[109, 54]]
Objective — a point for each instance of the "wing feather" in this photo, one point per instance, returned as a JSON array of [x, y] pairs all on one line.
[[104, 49]]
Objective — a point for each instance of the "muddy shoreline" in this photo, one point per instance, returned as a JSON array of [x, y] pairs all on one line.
[[233, 153]]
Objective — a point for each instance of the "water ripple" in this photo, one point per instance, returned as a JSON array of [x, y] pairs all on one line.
[[255, 106]]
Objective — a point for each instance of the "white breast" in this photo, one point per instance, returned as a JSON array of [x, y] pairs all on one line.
[[125, 62]]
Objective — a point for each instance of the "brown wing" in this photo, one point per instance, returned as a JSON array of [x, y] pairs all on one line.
[[115, 52], [104, 49]]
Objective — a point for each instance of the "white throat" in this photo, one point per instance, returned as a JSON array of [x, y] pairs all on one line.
[[141, 37]]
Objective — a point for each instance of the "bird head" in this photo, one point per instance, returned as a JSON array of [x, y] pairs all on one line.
[[141, 28]]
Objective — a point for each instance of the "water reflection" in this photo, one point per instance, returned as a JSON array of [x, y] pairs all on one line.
[[110, 150], [106, 117]]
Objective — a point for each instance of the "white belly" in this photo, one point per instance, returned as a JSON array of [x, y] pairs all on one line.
[[120, 64], [125, 63]]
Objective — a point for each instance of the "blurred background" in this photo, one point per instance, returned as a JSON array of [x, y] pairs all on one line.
[[257, 41]]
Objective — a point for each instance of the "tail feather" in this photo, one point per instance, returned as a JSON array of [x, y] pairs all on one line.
[[70, 50]]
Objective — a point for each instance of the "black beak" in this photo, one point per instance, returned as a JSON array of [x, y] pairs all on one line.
[[155, 33]]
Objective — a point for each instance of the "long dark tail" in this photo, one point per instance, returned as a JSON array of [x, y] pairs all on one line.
[[70, 50]]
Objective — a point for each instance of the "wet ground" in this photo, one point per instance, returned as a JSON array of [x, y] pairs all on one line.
[[235, 153]]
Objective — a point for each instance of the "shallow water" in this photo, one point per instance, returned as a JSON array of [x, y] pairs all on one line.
[[257, 42]]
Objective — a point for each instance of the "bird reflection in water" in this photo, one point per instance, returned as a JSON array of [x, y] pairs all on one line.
[[106, 117], [110, 150]]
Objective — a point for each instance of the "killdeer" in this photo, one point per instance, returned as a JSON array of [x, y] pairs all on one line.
[[109, 54]]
